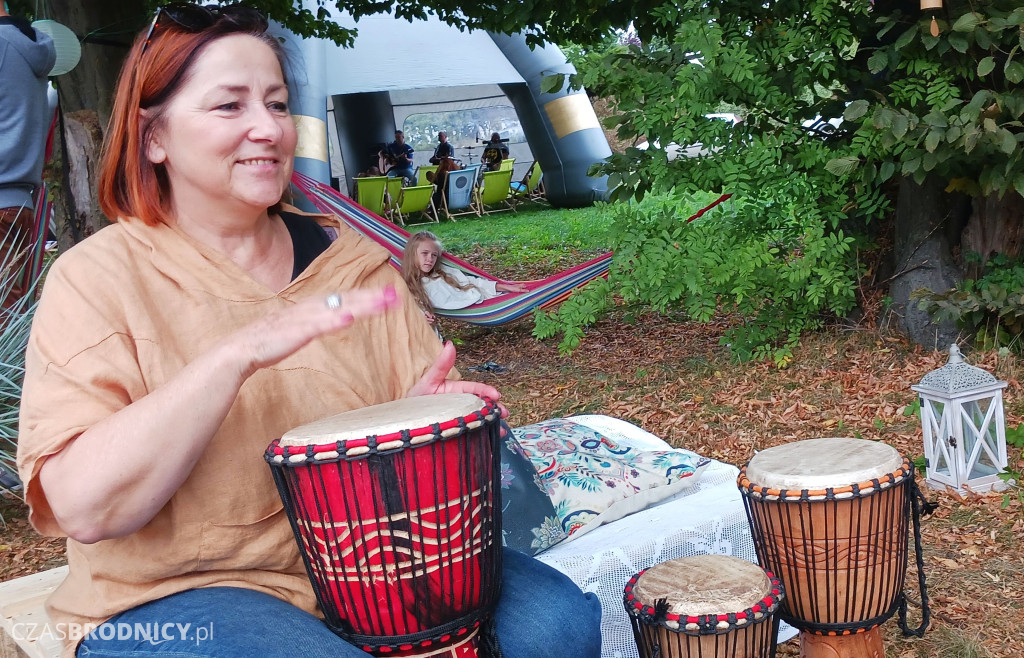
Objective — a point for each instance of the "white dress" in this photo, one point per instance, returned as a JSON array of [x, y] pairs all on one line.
[[445, 297]]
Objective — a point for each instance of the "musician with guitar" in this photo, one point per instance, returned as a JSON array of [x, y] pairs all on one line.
[[398, 156]]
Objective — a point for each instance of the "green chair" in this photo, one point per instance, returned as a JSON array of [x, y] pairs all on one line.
[[370, 193], [419, 198], [531, 188], [391, 194], [506, 164], [421, 174], [494, 191]]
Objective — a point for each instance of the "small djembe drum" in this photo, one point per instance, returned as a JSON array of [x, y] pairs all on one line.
[[711, 606], [830, 517], [396, 511]]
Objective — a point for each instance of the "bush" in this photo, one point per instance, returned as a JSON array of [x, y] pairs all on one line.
[[15, 322], [781, 271], [990, 308]]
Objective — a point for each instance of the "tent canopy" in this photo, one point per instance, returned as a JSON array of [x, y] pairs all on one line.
[[394, 54]]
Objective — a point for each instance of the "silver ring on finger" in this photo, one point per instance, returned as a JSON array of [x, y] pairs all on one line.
[[333, 302]]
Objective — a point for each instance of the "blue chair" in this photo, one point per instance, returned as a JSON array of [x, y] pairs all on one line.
[[460, 196]]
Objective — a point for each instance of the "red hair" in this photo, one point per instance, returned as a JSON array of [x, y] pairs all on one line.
[[130, 186]]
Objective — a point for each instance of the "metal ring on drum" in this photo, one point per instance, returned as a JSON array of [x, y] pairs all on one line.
[[831, 518], [712, 606], [396, 511]]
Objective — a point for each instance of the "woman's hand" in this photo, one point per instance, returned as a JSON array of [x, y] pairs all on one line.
[[511, 287], [275, 337], [117, 475], [431, 318], [435, 381]]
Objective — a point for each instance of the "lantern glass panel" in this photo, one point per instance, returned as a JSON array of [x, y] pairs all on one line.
[[940, 461], [979, 427]]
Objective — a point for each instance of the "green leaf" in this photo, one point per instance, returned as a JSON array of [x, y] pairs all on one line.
[[899, 126], [549, 84], [888, 169], [986, 66], [856, 110], [1014, 72], [958, 42], [906, 38], [967, 22], [932, 140], [878, 61], [1007, 142], [842, 166]]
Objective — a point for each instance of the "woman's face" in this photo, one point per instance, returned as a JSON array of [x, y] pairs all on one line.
[[227, 139], [426, 255]]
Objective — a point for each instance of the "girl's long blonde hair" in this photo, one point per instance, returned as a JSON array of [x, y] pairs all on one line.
[[414, 276]]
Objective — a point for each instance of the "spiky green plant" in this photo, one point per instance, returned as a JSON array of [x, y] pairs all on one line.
[[15, 322]]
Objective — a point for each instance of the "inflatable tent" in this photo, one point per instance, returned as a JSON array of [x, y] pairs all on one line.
[[429, 75]]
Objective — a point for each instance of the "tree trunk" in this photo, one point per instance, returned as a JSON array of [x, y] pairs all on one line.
[[928, 225], [107, 28], [76, 204], [996, 226]]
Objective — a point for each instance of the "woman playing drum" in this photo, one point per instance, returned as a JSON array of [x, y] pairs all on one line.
[[171, 347]]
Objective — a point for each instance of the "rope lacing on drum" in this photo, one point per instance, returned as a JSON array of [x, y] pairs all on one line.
[[920, 506]]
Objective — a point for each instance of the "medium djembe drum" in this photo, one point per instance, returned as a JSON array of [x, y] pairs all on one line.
[[706, 606], [831, 517], [396, 511]]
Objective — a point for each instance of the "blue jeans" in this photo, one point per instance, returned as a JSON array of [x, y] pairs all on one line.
[[541, 614], [405, 172]]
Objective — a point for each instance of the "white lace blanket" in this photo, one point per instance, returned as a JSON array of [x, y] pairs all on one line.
[[707, 518]]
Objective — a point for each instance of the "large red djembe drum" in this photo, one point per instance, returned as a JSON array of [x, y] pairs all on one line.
[[396, 511], [706, 606], [831, 518]]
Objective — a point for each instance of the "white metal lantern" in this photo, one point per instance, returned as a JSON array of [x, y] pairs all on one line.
[[963, 423]]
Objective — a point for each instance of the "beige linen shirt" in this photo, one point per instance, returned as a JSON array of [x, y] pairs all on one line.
[[123, 312]]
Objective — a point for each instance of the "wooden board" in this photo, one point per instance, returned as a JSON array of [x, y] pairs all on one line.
[[21, 605]]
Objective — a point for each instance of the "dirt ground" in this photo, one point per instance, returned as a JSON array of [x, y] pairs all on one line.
[[673, 379]]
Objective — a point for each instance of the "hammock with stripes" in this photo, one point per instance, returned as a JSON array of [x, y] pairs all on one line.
[[507, 307], [542, 293]]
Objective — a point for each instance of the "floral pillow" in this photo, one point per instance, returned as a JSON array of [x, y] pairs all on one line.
[[591, 479], [529, 523]]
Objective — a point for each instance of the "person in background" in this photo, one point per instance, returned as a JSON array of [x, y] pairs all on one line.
[[439, 178], [171, 347], [399, 156], [443, 149], [495, 151], [440, 287], [26, 58]]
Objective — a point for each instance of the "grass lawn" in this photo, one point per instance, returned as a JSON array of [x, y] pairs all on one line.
[[533, 241]]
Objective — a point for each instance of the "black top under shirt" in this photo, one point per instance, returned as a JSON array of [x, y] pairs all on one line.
[[309, 240]]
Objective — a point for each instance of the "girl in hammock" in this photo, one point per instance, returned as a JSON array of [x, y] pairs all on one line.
[[437, 286]]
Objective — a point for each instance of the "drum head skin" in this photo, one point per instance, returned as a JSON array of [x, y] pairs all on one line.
[[703, 585], [388, 418], [822, 463]]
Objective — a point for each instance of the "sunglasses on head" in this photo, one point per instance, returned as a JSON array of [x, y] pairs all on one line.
[[196, 18]]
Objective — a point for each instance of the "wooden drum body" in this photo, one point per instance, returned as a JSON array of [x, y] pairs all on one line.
[[396, 511], [831, 517], [711, 606]]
